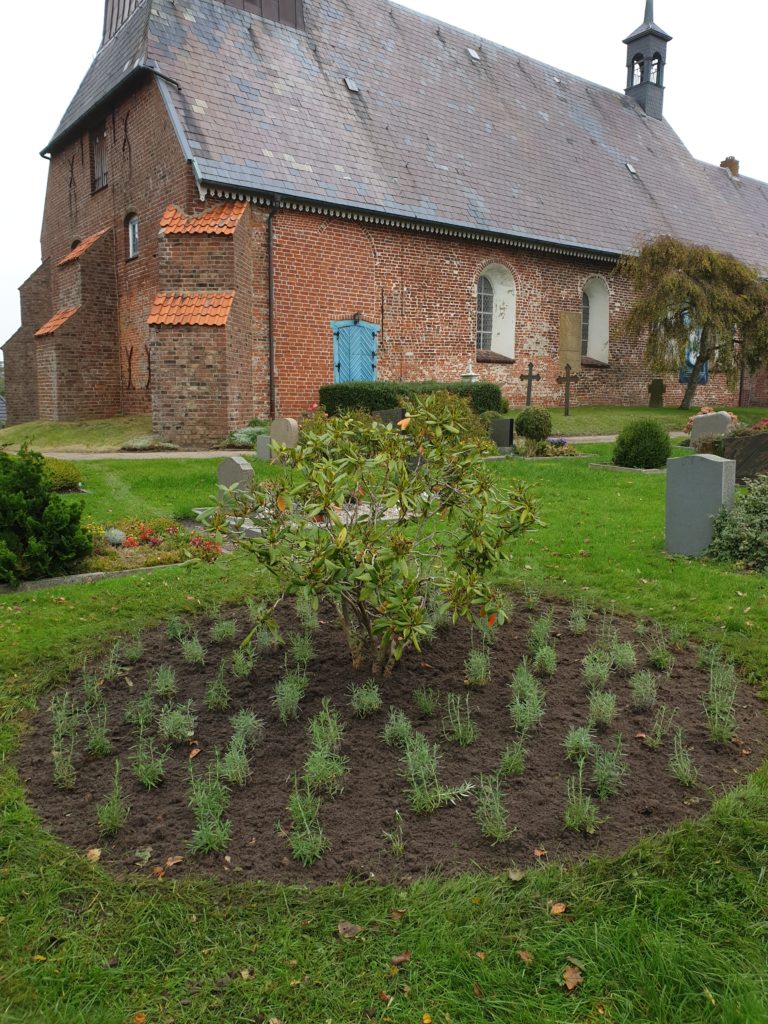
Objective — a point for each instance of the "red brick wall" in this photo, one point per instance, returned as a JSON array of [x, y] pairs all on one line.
[[420, 288], [20, 351]]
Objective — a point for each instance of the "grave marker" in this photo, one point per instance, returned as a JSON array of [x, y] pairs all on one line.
[[235, 471], [656, 390], [285, 430], [698, 486], [568, 379], [530, 377], [710, 424]]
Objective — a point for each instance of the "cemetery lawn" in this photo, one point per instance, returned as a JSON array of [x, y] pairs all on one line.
[[80, 436], [673, 931], [609, 419]]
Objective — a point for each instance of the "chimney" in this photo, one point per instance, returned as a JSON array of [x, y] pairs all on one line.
[[732, 164]]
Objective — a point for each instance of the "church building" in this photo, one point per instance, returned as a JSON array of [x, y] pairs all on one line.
[[250, 198]]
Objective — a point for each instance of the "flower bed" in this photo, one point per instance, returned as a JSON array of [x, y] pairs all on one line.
[[133, 543]]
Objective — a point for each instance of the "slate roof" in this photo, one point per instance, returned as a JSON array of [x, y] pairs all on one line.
[[59, 317], [505, 145], [210, 309]]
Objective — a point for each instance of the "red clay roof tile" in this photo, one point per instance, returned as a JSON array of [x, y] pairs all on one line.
[[221, 219], [209, 309], [60, 317], [78, 251]]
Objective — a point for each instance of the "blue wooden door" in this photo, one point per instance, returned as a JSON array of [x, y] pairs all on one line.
[[355, 348]]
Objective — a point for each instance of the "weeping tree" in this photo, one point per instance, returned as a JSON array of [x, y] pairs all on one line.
[[696, 304]]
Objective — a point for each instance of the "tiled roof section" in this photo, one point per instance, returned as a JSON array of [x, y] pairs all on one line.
[[209, 309], [60, 317], [221, 219], [78, 251], [505, 144]]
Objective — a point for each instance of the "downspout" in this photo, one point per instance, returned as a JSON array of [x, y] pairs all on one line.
[[271, 306]]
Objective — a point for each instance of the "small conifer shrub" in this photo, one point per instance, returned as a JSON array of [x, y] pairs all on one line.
[[642, 444]]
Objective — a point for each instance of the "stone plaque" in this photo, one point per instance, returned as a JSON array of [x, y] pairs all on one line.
[[570, 340], [751, 454], [285, 431], [235, 472], [710, 424], [698, 486]]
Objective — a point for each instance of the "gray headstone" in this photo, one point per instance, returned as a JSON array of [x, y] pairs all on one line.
[[698, 486], [285, 431], [710, 424], [264, 447], [235, 471]]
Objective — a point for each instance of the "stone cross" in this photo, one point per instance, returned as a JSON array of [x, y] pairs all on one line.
[[568, 379], [530, 377]]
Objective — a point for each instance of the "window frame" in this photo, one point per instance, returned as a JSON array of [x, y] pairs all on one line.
[[484, 314], [132, 236], [99, 162]]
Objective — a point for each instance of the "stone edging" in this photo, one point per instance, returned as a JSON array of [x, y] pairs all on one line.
[[623, 469], [88, 577]]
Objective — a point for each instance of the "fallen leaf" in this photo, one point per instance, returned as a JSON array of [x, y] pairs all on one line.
[[480, 954], [401, 958], [492, 620], [93, 855], [39, 958], [539, 851], [572, 977], [397, 914], [247, 973], [275, 1020], [139, 1018], [142, 855], [281, 503], [384, 997], [426, 1019], [347, 930], [741, 593], [525, 955], [194, 752], [477, 990], [745, 751], [158, 872], [173, 861], [515, 874], [558, 908], [403, 423], [640, 736]]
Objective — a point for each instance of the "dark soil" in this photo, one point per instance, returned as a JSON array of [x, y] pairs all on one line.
[[449, 839]]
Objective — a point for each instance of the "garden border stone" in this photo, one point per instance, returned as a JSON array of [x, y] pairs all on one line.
[[87, 577]]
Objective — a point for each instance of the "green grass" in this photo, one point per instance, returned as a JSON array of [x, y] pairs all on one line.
[[80, 435], [673, 932], [609, 419]]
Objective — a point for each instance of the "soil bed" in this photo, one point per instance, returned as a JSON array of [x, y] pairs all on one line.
[[449, 839]]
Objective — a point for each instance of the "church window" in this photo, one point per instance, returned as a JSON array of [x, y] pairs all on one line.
[[132, 233], [484, 313], [495, 311], [99, 171], [595, 300], [638, 68], [656, 69]]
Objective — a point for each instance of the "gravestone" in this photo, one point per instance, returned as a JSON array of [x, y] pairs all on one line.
[[568, 379], [389, 416], [698, 486], [285, 430], [235, 471], [502, 432], [529, 378], [263, 447], [656, 390], [710, 424]]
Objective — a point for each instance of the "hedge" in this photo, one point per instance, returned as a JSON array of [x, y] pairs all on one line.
[[385, 394]]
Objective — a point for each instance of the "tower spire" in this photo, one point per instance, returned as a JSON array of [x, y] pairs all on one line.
[[648, 12], [646, 58]]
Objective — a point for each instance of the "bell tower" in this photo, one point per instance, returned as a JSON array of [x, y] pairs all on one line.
[[115, 13], [646, 58]]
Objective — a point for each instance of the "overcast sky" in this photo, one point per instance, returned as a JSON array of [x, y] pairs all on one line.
[[715, 83]]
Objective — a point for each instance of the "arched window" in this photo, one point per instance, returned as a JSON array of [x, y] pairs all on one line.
[[595, 301], [495, 311], [656, 69], [638, 69], [75, 243], [132, 236]]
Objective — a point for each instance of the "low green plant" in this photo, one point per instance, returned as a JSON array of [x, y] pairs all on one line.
[[176, 628], [526, 712], [740, 533], [324, 770], [192, 650], [541, 631], [458, 724], [523, 681], [681, 763], [222, 630], [545, 660], [113, 812], [148, 761], [176, 722], [490, 812], [325, 728], [247, 726], [65, 715], [720, 701], [243, 659], [578, 621], [678, 635], [97, 741], [642, 444], [234, 765], [209, 800], [662, 723], [421, 770], [609, 767], [602, 708], [534, 423], [289, 691], [644, 690], [162, 682], [131, 650], [217, 692], [397, 729], [624, 657], [596, 667], [512, 761], [477, 667], [427, 700], [306, 613], [396, 837], [92, 687], [659, 655], [531, 594], [579, 743], [140, 711], [306, 838], [580, 810], [365, 699], [300, 648], [112, 665], [62, 755]]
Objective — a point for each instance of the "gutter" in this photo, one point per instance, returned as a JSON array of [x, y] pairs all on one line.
[[271, 306]]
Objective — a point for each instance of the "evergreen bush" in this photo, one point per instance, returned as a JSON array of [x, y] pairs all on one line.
[[642, 444], [741, 532], [384, 394], [40, 531], [534, 423]]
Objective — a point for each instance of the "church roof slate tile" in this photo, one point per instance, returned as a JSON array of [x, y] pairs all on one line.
[[207, 309], [59, 318], [505, 145]]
